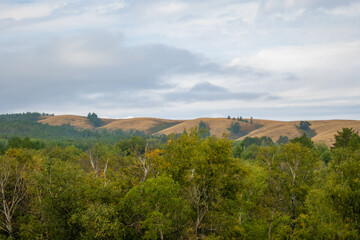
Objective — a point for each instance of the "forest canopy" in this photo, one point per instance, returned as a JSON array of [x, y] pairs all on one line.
[[58, 182], [187, 186]]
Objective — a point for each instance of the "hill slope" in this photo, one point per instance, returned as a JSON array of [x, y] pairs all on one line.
[[147, 125], [73, 120], [325, 129]]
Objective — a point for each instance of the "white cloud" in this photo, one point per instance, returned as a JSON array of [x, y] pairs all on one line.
[[352, 10], [23, 11], [295, 58], [289, 16], [168, 7], [93, 96], [87, 50], [106, 8], [246, 11], [285, 5]]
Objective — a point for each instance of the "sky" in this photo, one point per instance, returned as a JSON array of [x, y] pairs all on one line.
[[268, 59]]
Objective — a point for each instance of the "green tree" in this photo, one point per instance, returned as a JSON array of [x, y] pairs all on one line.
[[156, 209], [237, 148], [290, 175], [347, 138], [17, 142], [60, 190], [304, 141], [282, 140], [99, 221], [210, 179], [234, 128], [333, 206], [203, 130], [324, 152], [13, 189], [2, 148], [263, 141], [304, 125], [94, 120]]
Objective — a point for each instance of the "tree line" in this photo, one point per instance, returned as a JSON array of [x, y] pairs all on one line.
[[191, 187]]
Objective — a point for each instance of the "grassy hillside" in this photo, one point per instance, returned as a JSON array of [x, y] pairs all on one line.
[[324, 129], [75, 121], [142, 124]]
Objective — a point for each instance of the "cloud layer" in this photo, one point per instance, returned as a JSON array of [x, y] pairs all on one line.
[[181, 59]]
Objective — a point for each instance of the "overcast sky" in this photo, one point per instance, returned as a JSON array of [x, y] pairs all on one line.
[[270, 59]]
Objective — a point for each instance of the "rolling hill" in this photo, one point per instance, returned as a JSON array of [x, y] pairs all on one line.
[[324, 129]]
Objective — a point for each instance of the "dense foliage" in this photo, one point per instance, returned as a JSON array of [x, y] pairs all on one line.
[[29, 116], [186, 188]]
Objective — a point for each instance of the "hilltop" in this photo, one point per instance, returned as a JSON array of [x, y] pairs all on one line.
[[324, 129]]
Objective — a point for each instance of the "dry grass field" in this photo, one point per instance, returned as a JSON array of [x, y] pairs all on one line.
[[325, 129], [73, 120], [218, 126], [142, 124]]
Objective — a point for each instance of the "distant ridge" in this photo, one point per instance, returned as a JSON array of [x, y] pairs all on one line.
[[324, 129]]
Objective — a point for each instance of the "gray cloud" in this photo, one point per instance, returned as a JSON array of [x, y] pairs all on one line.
[[188, 57], [97, 68], [206, 91]]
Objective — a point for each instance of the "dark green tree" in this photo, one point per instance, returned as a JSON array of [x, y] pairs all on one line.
[[237, 148], [203, 130], [290, 175], [94, 120], [304, 141], [235, 128], [282, 140], [17, 142], [211, 180], [156, 209], [333, 206], [304, 125], [347, 138], [263, 141]]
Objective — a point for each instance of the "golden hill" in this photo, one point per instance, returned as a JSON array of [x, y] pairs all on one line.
[[325, 129], [142, 124], [76, 121], [217, 126]]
